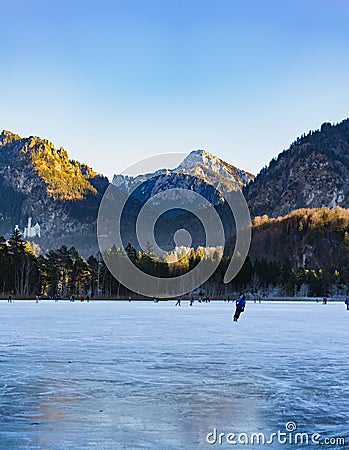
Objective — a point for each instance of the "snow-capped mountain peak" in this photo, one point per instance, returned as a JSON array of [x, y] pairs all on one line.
[[196, 157], [201, 162], [199, 166]]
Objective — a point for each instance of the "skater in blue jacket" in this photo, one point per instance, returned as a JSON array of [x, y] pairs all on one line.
[[240, 307]]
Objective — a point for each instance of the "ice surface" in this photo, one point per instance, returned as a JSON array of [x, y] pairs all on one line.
[[119, 375]]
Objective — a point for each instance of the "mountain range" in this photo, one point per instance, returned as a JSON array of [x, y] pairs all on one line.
[[200, 172], [62, 195]]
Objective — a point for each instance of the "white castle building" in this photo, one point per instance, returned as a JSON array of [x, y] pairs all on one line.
[[31, 231]]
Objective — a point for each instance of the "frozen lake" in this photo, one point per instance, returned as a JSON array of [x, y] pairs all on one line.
[[108, 375]]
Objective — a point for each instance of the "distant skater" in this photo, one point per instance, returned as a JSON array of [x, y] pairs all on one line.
[[178, 301], [191, 301], [325, 301], [346, 301], [9, 299], [240, 307]]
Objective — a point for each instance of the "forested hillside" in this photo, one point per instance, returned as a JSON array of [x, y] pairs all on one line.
[[312, 173]]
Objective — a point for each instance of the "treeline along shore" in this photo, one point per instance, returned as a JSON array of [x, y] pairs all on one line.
[[184, 298], [304, 254]]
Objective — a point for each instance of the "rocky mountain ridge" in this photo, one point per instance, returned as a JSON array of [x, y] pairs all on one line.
[[312, 173], [200, 171], [41, 182]]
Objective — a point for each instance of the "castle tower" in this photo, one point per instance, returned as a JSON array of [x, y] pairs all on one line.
[[29, 226], [30, 231], [36, 230]]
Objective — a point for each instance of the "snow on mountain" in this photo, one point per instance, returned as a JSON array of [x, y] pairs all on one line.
[[205, 159], [129, 183], [200, 171]]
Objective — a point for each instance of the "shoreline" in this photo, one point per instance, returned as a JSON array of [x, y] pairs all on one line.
[[264, 299]]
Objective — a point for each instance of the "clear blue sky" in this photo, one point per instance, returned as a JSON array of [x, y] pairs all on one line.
[[116, 81]]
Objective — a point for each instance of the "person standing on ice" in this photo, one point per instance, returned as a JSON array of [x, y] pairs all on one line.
[[240, 307], [346, 301]]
